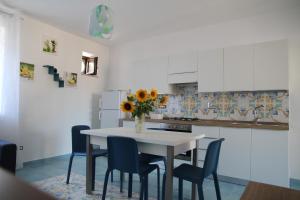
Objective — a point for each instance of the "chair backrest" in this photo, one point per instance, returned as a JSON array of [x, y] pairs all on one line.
[[78, 139], [212, 157], [122, 154]]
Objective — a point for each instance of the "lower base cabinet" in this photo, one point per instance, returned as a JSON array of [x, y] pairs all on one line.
[[269, 157], [235, 153]]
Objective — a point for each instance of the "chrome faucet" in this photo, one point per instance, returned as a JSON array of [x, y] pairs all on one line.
[[256, 117]]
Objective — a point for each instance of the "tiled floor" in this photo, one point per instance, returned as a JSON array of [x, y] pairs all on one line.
[[43, 169]]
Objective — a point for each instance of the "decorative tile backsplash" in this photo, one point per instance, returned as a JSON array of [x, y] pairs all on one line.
[[274, 105]]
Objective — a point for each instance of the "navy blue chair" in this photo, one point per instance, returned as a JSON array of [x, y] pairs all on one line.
[[8, 156], [123, 156], [79, 149], [197, 175]]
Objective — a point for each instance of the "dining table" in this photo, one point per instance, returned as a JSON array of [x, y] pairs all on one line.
[[156, 142]]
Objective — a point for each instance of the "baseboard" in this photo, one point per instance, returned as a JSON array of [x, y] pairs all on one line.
[[43, 159], [236, 181], [295, 183]]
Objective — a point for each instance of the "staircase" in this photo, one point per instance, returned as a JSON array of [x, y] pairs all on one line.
[[53, 71]]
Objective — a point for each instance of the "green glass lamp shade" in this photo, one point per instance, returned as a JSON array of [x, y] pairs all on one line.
[[101, 23]]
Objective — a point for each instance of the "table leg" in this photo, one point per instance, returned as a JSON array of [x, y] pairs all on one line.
[[89, 166], [194, 189], [169, 173]]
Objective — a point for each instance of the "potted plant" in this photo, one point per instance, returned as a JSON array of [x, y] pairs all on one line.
[[142, 103]]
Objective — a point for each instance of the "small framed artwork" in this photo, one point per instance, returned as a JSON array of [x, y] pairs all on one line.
[[27, 70], [70, 79], [49, 44]]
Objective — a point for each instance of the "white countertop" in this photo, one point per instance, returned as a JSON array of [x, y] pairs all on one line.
[[148, 136]]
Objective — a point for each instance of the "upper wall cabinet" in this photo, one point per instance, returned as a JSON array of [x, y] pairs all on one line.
[[271, 65], [238, 68], [182, 63], [210, 71], [151, 73]]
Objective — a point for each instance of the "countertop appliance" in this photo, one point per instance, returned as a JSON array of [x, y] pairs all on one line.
[[109, 105]]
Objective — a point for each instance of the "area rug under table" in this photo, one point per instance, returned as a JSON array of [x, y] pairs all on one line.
[[57, 187]]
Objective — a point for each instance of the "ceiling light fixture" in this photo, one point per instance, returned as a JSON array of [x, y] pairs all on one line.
[[101, 22]]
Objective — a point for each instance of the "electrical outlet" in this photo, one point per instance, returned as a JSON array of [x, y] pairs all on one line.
[[21, 148]]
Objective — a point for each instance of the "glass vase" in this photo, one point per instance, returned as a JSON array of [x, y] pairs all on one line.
[[139, 123]]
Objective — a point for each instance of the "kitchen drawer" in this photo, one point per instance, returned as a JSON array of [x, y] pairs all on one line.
[[188, 77], [201, 154], [200, 163], [208, 131], [203, 143]]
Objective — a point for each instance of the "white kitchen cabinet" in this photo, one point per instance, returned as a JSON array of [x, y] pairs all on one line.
[[151, 73], [131, 124], [235, 153], [128, 124], [210, 71], [190, 77], [269, 158], [183, 63], [239, 68], [271, 65], [211, 133]]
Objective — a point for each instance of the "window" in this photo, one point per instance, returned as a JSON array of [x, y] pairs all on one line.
[[2, 43], [89, 64]]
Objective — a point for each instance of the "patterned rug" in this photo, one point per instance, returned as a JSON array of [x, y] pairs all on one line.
[[57, 187]]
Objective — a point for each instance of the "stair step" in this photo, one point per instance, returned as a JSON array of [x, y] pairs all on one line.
[[56, 77], [61, 83]]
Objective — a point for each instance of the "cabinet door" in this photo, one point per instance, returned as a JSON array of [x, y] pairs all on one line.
[[269, 159], [238, 68], [235, 153], [211, 134], [128, 124], [210, 71], [271, 65], [151, 73], [181, 63]]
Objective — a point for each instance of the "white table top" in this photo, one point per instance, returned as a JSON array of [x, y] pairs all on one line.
[[148, 136]]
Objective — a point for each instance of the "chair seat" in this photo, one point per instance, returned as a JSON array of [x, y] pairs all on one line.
[[188, 172], [149, 158], [146, 168]]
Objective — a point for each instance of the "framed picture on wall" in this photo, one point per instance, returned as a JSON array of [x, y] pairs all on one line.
[[49, 45], [27, 70], [70, 79]]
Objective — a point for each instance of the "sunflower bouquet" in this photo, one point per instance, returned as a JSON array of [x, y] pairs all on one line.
[[143, 102]]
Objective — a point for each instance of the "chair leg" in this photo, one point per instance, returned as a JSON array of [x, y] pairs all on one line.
[[141, 187], [69, 168], [200, 191], [180, 188], [121, 181], [217, 186], [146, 187], [112, 176], [158, 183], [164, 186], [130, 186], [105, 184], [93, 173]]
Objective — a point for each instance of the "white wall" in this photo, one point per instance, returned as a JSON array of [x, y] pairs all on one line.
[[294, 91], [47, 111], [267, 27], [260, 28]]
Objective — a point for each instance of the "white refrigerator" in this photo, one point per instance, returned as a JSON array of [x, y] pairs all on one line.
[[109, 105]]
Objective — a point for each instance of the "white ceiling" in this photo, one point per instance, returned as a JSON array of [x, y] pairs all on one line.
[[137, 19]]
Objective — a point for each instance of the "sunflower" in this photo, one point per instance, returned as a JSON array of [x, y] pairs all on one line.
[[164, 100], [141, 95], [127, 106], [153, 93]]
